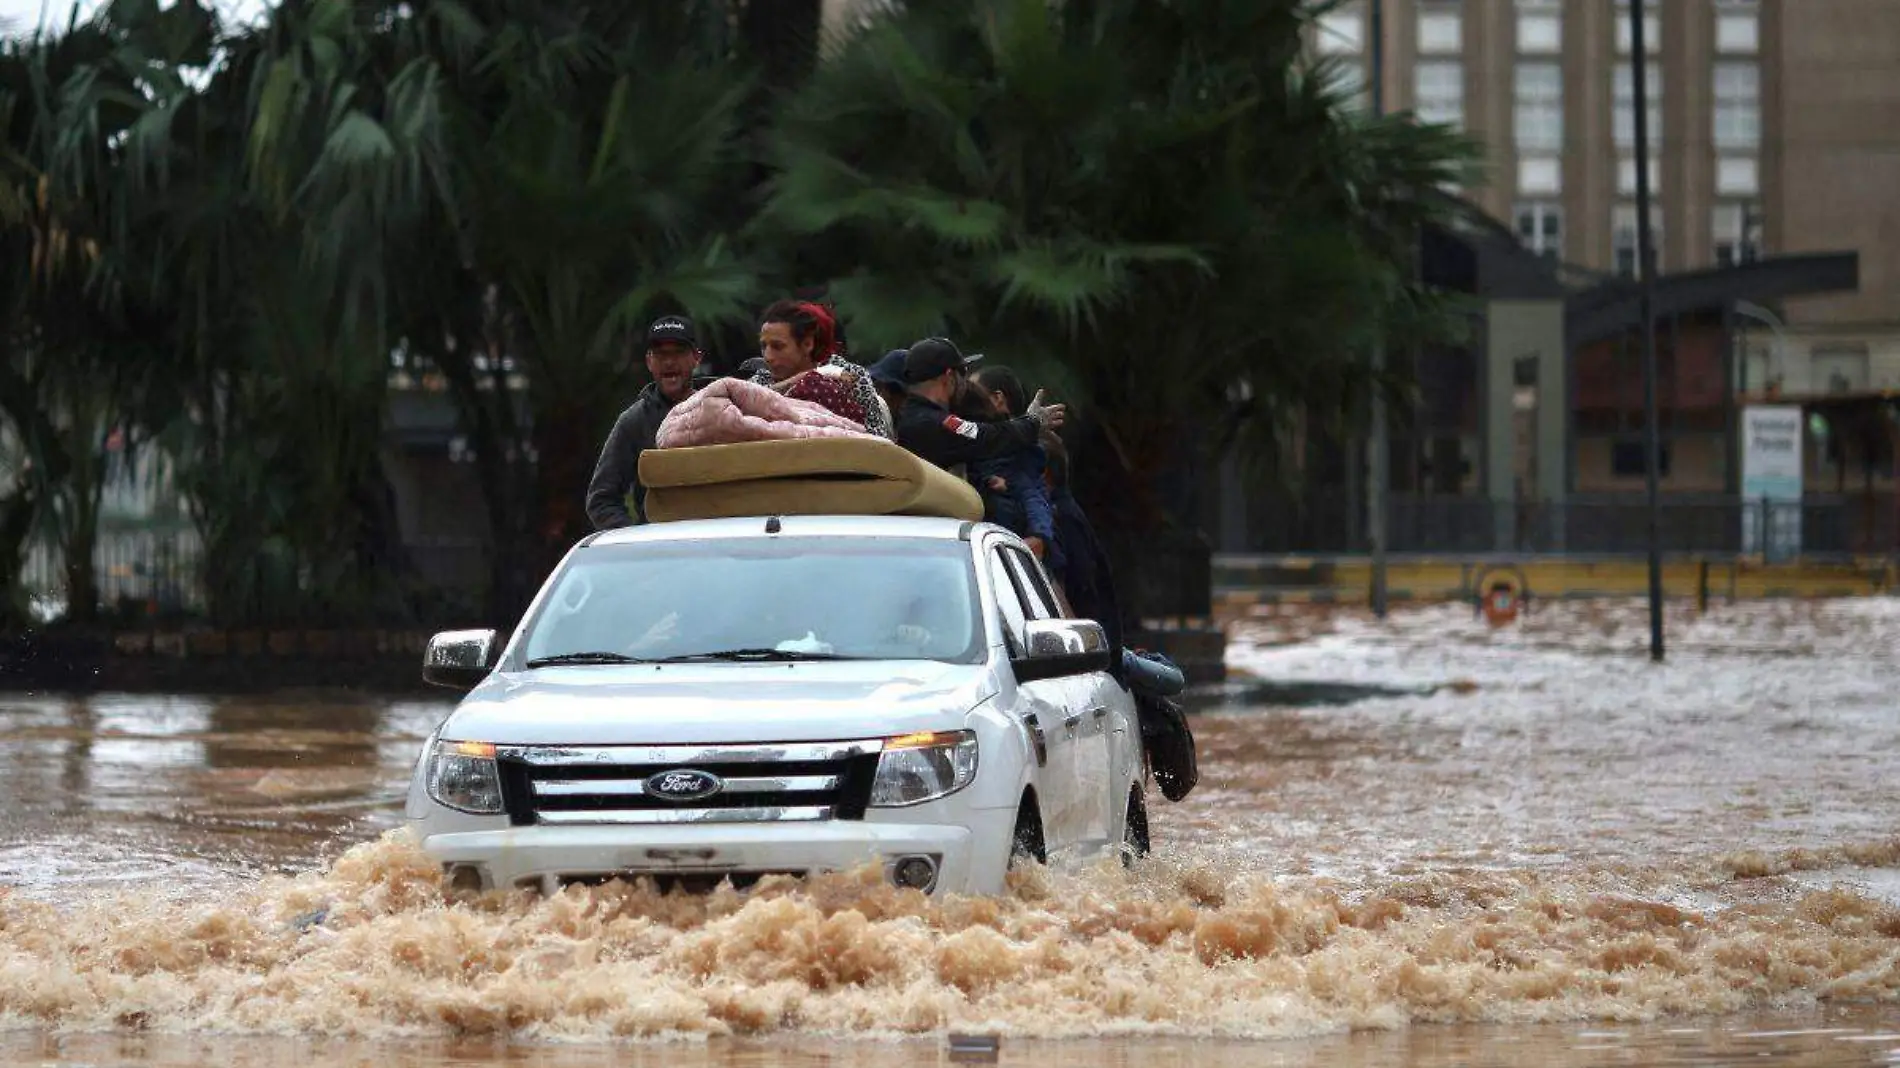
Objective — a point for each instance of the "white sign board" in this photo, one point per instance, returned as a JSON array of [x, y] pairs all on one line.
[[1771, 480]]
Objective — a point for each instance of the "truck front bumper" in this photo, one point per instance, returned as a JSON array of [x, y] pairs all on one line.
[[969, 857]]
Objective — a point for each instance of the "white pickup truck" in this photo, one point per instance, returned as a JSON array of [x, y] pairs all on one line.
[[726, 699]]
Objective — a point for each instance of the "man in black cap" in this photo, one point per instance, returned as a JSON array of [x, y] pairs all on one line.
[[933, 369], [672, 356]]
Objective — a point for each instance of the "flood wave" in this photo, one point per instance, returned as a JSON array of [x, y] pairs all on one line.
[[372, 947]]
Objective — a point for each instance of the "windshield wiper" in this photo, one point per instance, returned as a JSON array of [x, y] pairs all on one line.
[[585, 658], [755, 654]]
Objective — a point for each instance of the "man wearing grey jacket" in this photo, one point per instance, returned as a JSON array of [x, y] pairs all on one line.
[[672, 355]]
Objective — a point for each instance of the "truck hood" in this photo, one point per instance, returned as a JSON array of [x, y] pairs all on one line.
[[685, 704]]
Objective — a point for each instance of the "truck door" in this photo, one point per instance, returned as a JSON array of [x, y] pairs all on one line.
[[1043, 705], [1084, 718], [1109, 739]]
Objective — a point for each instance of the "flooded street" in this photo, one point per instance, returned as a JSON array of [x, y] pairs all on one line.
[[1420, 842]]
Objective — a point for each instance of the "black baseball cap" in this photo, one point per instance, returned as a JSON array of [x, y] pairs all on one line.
[[676, 329], [932, 357]]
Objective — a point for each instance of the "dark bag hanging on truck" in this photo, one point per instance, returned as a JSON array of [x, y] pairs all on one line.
[[1152, 673], [1169, 743]]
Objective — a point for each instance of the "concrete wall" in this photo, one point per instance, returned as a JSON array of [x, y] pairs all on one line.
[[1838, 174], [1518, 330], [1698, 463]]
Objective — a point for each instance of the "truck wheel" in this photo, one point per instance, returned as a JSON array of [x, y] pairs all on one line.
[[1026, 844], [1135, 841]]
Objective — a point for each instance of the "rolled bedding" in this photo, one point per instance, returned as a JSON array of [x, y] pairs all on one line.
[[730, 410]]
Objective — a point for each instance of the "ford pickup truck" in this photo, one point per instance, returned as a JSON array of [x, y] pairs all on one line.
[[725, 699]]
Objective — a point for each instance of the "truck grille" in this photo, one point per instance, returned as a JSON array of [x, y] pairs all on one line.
[[625, 784]]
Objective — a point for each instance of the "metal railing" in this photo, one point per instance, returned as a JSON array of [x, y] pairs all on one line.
[[1818, 527], [139, 570], [156, 572]]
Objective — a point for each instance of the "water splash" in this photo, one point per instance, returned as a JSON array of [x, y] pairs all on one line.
[[372, 947]]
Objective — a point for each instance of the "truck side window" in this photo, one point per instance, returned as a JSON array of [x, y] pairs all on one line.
[[1014, 618], [1034, 586]]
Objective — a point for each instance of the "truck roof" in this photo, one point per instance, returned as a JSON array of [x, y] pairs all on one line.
[[805, 526]]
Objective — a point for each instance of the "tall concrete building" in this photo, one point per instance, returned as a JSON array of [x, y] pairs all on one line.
[[1774, 125]]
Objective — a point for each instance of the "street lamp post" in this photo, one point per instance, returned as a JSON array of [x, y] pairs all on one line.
[[1379, 460], [1646, 269]]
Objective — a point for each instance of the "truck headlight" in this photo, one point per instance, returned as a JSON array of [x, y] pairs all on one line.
[[463, 776], [914, 768]]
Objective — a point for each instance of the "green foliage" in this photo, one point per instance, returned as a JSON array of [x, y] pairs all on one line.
[[1159, 206], [214, 238]]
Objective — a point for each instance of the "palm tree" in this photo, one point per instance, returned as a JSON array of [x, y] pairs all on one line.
[[80, 367], [507, 189], [1161, 208], [277, 324]]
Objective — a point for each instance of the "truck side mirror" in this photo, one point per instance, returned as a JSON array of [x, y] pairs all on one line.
[[458, 659], [1058, 648]]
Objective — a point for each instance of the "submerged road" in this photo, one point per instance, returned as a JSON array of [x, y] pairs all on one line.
[[1420, 842]]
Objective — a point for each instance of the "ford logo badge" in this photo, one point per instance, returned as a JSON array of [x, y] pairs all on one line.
[[686, 784]]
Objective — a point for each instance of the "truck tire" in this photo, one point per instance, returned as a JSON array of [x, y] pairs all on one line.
[[1135, 841], [1026, 843]]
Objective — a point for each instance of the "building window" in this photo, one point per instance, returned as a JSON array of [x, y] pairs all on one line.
[[1629, 458], [1623, 237], [1540, 34], [1440, 94], [1737, 232], [1539, 175], [1737, 176], [1540, 226], [1652, 31], [1737, 105], [1441, 33], [1737, 34], [1540, 106], [1626, 175], [1341, 32], [1625, 117], [1838, 367]]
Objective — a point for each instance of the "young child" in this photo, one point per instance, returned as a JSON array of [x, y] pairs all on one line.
[[1015, 494]]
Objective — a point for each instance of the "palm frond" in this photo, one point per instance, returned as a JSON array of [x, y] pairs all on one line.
[[711, 283]]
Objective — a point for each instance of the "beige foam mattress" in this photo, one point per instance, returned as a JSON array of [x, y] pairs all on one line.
[[812, 476]]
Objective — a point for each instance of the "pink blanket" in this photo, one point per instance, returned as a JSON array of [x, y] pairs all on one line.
[[732, 410]]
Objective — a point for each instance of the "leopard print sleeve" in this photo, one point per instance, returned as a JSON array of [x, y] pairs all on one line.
[[877, 418]]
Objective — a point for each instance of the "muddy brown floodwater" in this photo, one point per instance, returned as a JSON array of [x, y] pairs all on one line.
[[1416, 842]]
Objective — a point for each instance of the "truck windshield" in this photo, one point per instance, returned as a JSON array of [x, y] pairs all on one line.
[[761, 598]]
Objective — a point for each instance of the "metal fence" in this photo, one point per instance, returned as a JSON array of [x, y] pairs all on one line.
[[1818, 527], [140, 570], [1722, 526], [158, 572]]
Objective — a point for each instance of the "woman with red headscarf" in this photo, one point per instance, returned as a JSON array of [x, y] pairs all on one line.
[[804, 359]]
